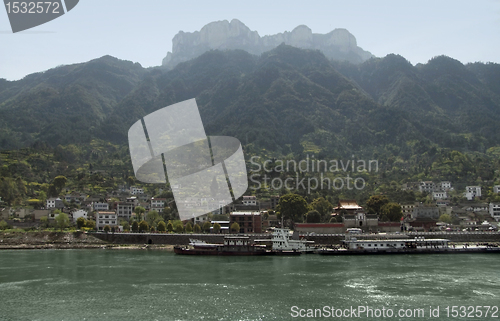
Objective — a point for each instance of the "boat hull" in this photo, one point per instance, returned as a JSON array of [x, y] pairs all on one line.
[[409, 251], [217, 252]]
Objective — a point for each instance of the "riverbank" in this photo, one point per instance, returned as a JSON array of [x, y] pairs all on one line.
[[66, 240]]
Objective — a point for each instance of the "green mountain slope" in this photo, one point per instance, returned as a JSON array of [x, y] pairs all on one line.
[[288, 100], [65, 104]]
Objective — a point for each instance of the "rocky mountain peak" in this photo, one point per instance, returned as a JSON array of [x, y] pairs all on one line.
[[339, 44]]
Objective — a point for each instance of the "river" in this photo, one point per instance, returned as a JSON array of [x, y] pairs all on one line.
[[158, 285]]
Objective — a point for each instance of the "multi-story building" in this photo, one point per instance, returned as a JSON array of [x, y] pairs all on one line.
[[249, 200], [100, 206], [105, 218], [249, 222], [426, 212], [495, 211], [471, 192], [444, 186], [125, 210], [134, 190], [407, 209], [427, 187], [55, 203], [439, 195]]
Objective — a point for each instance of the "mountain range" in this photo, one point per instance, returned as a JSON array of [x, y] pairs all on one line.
[[286, 100]]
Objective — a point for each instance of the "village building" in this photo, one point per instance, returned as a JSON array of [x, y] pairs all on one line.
[[79, 213], [472, 192], [105, 218], [249, 222], [54, 203], [100, 206], [347, 207], [494, 210], [124, 210]]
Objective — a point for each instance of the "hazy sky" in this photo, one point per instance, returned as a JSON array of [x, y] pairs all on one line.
[[142, 30]]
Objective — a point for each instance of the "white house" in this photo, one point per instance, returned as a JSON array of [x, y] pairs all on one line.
[[439, 195], [54, 203], [444, 185], [495, 211], [79, 213], [106, 218], [471, 192], [496, 189]]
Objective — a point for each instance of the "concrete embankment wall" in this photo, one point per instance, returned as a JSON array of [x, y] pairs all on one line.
[[173, 239]]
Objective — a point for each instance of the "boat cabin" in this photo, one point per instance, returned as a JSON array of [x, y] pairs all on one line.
[[417, 243]]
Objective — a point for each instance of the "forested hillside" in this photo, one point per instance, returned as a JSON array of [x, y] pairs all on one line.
[[431, 121]]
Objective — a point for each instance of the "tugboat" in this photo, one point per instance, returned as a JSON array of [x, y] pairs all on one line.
[[283, 244], [233, 245]]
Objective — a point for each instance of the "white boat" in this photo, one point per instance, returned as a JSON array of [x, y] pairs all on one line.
[[197, 244], [283, 242]]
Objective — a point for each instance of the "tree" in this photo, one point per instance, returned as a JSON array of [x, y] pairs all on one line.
[[392, 211], [90, 224], [126, 226], [153, 218], [3, 225], [135, 227], [170, 226], [44, 221], [42, 196], [80, 222], [162, 227], [139, 210], [313, 217], [178, 227], [445, 218], [217, 228], [206, 227], [375, 203], [235, 227], [197, 228], [62, 221], [59, 183], [323, 207], [143, 226], [152, 229], [106, 228], [189, 227], [292, 207]]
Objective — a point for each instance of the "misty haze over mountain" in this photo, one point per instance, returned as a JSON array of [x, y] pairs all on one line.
[[338, 44]]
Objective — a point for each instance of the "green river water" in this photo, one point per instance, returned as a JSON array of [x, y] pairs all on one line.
[[157, 285]]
